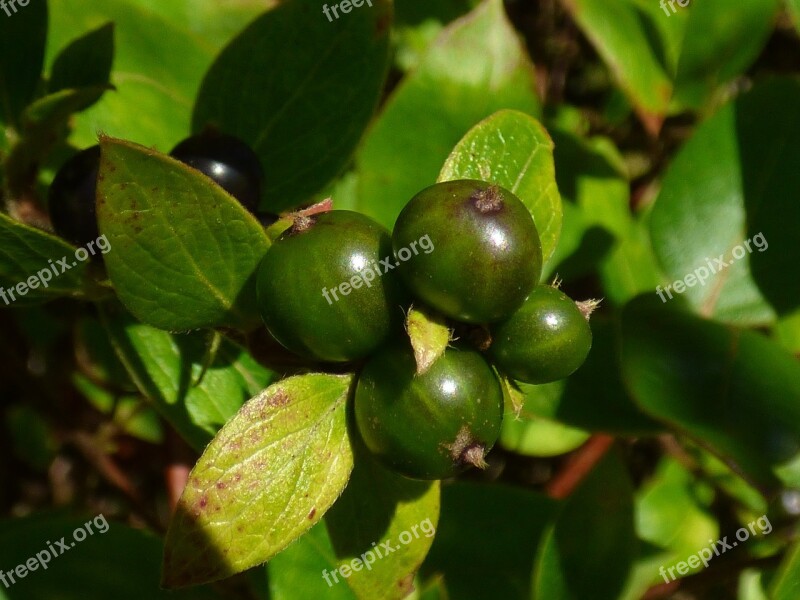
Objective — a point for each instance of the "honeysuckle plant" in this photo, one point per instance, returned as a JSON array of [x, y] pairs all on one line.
[[194, 347]]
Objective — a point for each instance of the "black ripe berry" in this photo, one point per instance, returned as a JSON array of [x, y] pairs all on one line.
[[71, 198], [487, 255], [227, 160]]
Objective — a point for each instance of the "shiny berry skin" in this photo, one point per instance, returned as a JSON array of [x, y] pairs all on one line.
[[71, 197], [547, 339], [433, 425], [319, 291], [487, 255], [227, 160]]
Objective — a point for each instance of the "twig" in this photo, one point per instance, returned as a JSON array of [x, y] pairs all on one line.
[[578, 466]]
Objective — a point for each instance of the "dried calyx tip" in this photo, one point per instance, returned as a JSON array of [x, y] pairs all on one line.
[[488, 200], [474, 455], [302, 223], [587, 307]]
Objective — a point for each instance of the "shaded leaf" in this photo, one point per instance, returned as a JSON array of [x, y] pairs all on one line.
[[121, 563], [492, 556], [733, 391], [575, 400], [573, 565], [786, 584], [304, 119], [23, 35], [736, 174], [166, 366], [86, 62], [27, 254], [389, 510]]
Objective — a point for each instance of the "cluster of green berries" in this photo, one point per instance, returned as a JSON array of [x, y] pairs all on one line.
[[227, 160], [481, 269]]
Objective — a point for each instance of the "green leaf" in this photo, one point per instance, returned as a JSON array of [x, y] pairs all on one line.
[[727, 186], [23, 34], [216, 23], [389, 509], [668, 62], [165, 367], [297, 573], [43, 123], [429, 336], [794, 11], [31, 437], [733, 391], [514, 151], [29, 255], [305, 118], [590, 175], [184, 252], [138, 420], [629, 39], [530, 435], [786, 584], [158, 67], [50, 112], [476, 67], [269, 475], [672, 512], [115, 562], [720, 41], [86, 62], [486, 540], [574, 401], [589, 550]]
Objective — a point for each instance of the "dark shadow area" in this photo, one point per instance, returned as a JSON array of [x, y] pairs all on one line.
[[768, 133]]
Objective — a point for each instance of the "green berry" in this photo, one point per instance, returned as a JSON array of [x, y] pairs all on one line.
[[547, 339], [432, 425], [486, 254], [320, 293]]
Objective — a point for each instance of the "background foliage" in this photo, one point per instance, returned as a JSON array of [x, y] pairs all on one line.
[[643, 142]]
